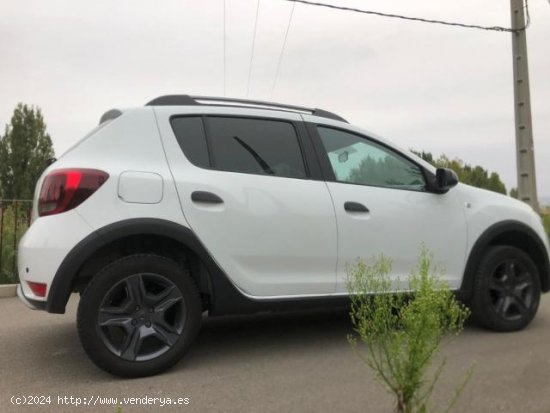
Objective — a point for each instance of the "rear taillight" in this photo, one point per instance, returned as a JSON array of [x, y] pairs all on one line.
[[38, 289], [65, 189]]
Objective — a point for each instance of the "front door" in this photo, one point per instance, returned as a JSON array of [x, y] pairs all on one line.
[[383, 207]]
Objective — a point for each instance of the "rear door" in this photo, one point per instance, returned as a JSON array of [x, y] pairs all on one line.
[[252, 197]]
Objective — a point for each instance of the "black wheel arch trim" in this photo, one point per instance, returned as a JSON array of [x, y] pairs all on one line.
[[225, 298], [486, 239], [73, 262]]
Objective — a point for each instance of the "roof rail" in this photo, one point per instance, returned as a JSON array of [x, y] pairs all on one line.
[[187, 100]]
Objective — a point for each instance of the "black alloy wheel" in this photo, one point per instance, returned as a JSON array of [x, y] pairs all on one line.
[[512, 289], [506, 289], [139, 315]]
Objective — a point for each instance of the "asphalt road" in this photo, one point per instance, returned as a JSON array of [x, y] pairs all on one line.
[[296, 362]]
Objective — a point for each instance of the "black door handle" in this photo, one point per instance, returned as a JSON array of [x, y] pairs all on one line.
[[355, 207], [206, 197]]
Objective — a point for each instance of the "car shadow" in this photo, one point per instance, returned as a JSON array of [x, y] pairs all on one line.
[[223, 339]]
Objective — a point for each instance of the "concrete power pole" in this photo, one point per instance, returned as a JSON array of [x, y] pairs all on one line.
[[527, 183]]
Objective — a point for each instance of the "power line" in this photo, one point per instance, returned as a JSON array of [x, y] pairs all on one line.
[[224, 51], [282, 50], [419, 19], [253, 46]]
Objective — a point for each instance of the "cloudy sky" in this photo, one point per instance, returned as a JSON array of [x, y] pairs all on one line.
[[445, 90]]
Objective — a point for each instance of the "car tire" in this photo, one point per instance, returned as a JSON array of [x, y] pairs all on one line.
[[139, 315], [506, 291]]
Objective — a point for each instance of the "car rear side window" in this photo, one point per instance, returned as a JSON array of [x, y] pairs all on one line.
[[255, 146], [190, 134]]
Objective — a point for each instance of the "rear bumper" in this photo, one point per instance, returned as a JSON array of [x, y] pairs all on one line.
[[42, 249], [29, 302]]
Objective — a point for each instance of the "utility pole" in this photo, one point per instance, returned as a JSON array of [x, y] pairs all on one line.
[[525, 156]]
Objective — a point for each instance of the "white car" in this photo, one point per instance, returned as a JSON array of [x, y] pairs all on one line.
[[194, 204]]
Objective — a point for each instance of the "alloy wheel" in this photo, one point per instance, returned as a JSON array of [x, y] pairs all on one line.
[[141, 317], [512, 289]]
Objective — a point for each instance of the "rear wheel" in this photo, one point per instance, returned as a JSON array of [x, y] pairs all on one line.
[[139, 315], [506, 290]]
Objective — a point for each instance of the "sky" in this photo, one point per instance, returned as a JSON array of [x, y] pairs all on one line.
[[425, 87]]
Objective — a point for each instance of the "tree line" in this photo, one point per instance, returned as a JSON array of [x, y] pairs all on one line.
[[472, 175]]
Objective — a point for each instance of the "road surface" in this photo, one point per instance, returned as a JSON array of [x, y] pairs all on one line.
[[295, 362]]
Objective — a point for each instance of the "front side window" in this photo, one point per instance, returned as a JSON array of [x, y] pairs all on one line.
[[357, 160], [255, 146]]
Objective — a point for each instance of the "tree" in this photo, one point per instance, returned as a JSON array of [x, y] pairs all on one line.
[[495, 184], [476, 176], [513, 193], [25, 151]]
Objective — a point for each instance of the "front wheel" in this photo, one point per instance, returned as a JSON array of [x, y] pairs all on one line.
[[139, 315], [506, 290]]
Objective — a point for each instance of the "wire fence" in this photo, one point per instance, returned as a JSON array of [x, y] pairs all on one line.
[[15, 218]]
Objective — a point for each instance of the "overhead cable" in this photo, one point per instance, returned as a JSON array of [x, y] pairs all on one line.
[[253, 47], [282, 50], [419, 19]]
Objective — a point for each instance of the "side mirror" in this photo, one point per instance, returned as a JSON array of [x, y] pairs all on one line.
[[445, 179]]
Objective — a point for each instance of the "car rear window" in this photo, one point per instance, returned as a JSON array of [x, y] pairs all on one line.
[[255, 146], [191, 137]]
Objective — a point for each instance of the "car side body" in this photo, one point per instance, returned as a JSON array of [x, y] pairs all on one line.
[[259, 241]]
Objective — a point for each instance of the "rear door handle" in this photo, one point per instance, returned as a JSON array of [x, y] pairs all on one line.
[[206, 197], [355, 207]]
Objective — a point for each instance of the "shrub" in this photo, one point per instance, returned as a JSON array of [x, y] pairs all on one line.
[[403, 332], [10, 233]]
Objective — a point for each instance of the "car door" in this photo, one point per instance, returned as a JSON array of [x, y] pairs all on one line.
[[383, 207], [250, 196]]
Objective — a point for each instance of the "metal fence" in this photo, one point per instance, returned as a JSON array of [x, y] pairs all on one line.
[[15, 217]]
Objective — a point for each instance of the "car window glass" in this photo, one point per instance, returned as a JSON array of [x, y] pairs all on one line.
[[255, 146], [190, 134], [357, 160]]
